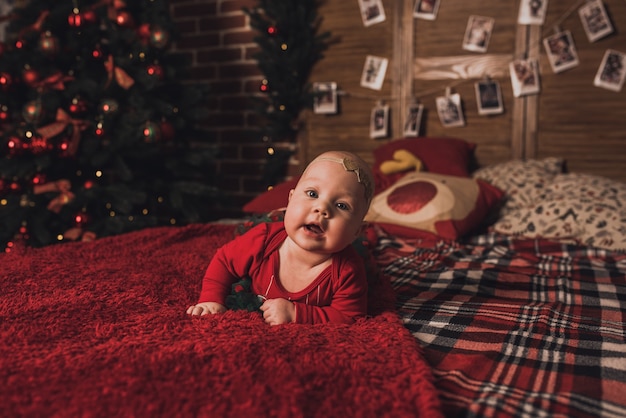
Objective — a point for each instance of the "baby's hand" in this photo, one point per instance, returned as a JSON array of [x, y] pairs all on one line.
[[278, 311], [206, 308]]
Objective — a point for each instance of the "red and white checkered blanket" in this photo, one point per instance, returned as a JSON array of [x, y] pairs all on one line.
[[515, 328]]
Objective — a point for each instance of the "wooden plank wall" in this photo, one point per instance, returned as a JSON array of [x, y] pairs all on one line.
[[569, 118]]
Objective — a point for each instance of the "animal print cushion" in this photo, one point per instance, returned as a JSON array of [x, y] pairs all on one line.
[[574, 207], [521, 181]]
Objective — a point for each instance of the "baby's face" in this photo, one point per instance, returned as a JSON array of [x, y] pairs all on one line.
[[326, 209]]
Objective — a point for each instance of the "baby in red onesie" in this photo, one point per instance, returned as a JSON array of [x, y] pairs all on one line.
[[304, 267]]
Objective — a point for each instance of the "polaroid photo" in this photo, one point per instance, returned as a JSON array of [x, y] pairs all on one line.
[[477, 33], [426, 9], [489, 97], [412, 125], [372, 12], [379, 122], [450, 111], [325, 98], [524, 77], [561, 51], [595, 20], [532, 12], [374, 72], [612, 71]]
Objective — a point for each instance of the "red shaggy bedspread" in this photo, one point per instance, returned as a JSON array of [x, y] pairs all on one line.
[[99, 330]]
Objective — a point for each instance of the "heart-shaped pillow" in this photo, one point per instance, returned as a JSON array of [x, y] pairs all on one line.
[[444, 206]]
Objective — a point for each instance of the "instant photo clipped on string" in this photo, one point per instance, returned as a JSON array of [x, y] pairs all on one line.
[[524, 77], [372, 12], [489, 97], [612, 71], [595, 20], [325, 100], [450, 111], [374, 71], [426, 9], [561, 51], [413, 123], [379, 121], [532, 12], [478, 33]]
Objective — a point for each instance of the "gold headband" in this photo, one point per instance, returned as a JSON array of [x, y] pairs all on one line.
[[351, 165]]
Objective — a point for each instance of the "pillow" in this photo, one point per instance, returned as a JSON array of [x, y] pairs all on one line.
[[427, 204], [521, 181], [273, 199], [449, 156], [578, 208]]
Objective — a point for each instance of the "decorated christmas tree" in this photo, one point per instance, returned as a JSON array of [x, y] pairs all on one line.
[[97, 128], [290, 44]]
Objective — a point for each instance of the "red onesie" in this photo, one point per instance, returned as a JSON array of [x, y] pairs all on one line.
[[338, 294]]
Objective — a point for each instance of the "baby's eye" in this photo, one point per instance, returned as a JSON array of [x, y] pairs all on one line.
[[311, 193], [343, 206]]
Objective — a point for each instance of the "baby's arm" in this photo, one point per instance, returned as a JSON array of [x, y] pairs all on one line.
[[204, 308]]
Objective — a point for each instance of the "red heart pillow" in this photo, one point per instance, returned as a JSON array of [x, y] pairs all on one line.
[[433, 204]]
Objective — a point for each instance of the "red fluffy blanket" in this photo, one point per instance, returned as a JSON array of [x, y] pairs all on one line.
[[99, 329]]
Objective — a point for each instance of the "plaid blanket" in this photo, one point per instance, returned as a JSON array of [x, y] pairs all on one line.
[[515, 328]]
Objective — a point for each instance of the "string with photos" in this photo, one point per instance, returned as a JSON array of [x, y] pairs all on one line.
[[415, 98], [555, 27]]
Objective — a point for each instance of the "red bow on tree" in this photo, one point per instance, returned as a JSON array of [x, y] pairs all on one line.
[[55, 128], [123, 79]]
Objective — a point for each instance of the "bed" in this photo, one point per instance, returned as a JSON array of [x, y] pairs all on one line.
[[508, 299]]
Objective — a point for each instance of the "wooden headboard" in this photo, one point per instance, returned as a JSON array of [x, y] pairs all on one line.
[[569, 118]]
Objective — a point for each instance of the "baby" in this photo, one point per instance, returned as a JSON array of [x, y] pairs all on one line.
[[304, 268]]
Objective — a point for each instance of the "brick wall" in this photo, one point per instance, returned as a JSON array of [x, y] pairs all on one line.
[[216, 36]]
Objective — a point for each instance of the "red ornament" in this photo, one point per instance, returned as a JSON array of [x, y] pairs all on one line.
[[151, 132], [155, 70], [81, 218], [159, 37], [78, 106], [271, 30], [144, 31], [90, 17], [19, 44], [30, 76], [33, 111], [39, 179], [15, 187], [4, 114], [5, 80], [96, 53], [63, 146], [124, 19], [15, 145], [48, 43], [99, 129], [75, 20]]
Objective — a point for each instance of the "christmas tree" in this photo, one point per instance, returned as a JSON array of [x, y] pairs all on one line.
[[290, 43], [96, 127]]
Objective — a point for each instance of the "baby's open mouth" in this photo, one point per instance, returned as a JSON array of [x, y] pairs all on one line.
[[316, 229]]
